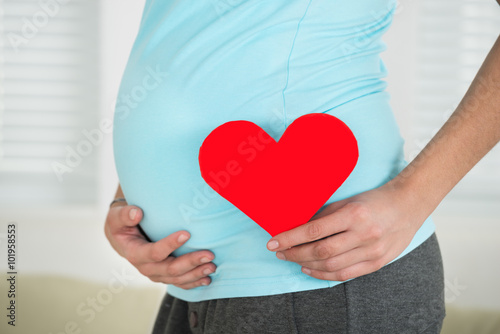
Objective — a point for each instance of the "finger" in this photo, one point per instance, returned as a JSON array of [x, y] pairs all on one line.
[[311, 231], [201, 282], [190, 276], [187, 262], [130, 215], [321, 249], [339, 262], [122, 218], [356, 270], [178, 266], [138, 251]]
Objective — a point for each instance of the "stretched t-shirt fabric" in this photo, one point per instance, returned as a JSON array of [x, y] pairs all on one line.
[[198, 64]]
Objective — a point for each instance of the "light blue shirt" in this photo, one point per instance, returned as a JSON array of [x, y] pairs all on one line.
[[198, 64]]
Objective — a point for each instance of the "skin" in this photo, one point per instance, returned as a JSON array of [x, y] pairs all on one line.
[[359, 235], [355, 236], [154, 259]]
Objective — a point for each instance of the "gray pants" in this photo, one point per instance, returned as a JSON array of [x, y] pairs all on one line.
[[406, 296]]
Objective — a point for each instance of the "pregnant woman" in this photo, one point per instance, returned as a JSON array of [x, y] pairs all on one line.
[[368, 261]]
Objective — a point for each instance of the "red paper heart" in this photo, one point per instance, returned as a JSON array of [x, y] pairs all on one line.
[[279, 185]]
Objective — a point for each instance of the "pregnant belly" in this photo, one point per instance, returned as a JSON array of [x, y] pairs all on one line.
[[156, 154]]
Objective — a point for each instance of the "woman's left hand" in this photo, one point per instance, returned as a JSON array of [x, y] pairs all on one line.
[[352, 237]]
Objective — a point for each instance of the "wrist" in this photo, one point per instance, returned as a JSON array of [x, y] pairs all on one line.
[[411, 199]]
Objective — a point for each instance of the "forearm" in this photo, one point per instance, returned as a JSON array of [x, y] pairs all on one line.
[[471, 131]]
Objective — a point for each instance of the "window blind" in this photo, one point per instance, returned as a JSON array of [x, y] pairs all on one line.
[[48, 100], [454, 38]]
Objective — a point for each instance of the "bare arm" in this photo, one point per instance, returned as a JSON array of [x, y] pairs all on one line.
[[471, 131], [359, 235]]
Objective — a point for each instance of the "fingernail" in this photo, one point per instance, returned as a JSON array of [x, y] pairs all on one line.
[[306, 271], [132, 213], [273, 244], [182, 238], [204, 283], [204, 259], [280, 256], [207, 271]]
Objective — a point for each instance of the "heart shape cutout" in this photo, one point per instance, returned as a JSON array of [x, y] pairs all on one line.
[[279, 185]]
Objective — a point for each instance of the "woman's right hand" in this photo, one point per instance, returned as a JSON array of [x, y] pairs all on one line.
[[154, 259]]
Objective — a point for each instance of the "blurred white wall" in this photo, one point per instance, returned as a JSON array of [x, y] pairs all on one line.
[[70, 241], [470, 243]]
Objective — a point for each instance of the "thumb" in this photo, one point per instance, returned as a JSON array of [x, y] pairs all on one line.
[[130, 215]]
